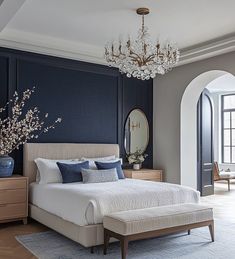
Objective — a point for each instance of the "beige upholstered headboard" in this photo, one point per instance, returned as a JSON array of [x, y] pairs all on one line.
[[62, 151]]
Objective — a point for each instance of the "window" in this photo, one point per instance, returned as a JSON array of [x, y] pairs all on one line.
[[228, 128]]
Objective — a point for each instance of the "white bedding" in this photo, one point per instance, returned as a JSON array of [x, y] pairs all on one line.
[[85, 204]]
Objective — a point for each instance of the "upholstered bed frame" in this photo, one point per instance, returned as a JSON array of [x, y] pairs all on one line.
[[87, 236]]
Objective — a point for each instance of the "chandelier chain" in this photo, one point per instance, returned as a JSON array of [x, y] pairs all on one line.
[[142, 22]]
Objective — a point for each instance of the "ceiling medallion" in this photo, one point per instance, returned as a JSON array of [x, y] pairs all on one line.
[[140, 57]]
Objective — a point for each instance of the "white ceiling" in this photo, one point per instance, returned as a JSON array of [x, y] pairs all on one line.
[[86, 25], [225, 83]]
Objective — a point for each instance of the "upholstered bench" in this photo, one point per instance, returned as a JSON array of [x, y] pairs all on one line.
[[151, 222]]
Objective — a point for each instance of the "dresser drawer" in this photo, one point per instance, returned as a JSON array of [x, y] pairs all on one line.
[[13, 184], [13, 196], [10, 211]]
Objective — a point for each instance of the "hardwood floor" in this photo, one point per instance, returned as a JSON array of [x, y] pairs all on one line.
[[223, 203], [9, 247]]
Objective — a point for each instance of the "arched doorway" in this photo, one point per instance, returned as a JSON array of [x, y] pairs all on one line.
[[188, 126]]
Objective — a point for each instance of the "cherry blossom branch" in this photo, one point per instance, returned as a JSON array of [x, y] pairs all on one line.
[[21, 126]]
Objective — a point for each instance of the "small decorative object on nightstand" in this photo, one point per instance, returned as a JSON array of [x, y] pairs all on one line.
[[136, 159], [145, 174], [136, 166], [14, 198]]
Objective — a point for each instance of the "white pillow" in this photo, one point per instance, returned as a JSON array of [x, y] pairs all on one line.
[[49, 171], [38, 176], [92, 160], [111, 160]]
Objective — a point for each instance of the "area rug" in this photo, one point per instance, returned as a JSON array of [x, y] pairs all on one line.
[[51, 245]]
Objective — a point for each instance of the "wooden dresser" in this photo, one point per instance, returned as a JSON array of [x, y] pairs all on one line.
[[14, 199], [144, 174]]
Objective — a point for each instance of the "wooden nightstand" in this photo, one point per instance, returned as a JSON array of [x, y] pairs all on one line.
[[144, 174], [14, 198]]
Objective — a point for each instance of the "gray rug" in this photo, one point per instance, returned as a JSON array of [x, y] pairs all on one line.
[[51, 245]]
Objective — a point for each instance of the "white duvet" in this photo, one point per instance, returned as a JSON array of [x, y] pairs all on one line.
[[85, 204]]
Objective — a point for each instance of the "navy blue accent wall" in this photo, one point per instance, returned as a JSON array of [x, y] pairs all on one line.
[[93, 100], [3, 82]]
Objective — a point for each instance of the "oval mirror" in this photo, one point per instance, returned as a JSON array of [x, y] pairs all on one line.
[[136, 132]]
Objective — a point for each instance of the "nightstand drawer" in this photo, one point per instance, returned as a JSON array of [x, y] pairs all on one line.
[[9, 211], [144, 174], [13, 196], [13, 184]]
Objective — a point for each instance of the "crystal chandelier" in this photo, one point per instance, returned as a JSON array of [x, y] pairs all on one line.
[[141, 58]]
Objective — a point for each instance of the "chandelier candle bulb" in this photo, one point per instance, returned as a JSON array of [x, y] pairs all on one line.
[[141, 58]]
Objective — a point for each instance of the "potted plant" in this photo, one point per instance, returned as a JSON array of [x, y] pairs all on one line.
[[19, 127], [136, 159]]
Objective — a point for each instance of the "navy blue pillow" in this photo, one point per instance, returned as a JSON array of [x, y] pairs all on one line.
[[110, 165], [72, 172]]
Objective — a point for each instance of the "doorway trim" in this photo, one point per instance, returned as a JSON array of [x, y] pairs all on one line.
[[188, 126]]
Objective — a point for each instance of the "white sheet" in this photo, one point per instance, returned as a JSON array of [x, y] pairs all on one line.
[[85, 204]]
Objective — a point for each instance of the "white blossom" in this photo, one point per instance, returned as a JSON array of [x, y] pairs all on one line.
[[137, 157], [21, 126]]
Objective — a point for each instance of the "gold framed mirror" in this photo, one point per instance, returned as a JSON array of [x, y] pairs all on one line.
[[136, 132]]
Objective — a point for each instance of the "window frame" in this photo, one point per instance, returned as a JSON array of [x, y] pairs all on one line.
[[223, 129]]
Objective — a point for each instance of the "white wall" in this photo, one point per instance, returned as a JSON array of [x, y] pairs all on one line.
[[168, 92], [188, 134]]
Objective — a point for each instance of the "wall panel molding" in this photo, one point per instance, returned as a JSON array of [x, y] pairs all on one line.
[[94, 99]]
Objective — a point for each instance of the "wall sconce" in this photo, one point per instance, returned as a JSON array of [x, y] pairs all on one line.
[[135, 125]]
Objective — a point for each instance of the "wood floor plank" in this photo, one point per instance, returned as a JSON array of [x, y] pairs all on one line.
[[222, 201], [10, 248]]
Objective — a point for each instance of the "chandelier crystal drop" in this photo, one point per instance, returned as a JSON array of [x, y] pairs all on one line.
[[141, 58]]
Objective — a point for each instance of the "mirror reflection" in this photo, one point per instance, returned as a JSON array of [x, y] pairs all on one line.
[[136, 132]]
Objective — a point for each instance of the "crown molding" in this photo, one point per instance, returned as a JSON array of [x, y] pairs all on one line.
[[207, 49], [48, 45], [52, 46]]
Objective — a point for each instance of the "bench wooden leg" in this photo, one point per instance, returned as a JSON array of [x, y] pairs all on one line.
[[228, 185], [106, 241], [124, 240], [124, 247], [25, 221], [211, 228]]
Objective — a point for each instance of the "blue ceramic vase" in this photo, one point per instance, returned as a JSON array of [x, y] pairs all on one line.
[[6, 166]]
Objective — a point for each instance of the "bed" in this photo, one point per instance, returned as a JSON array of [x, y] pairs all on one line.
[[76, 210]]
